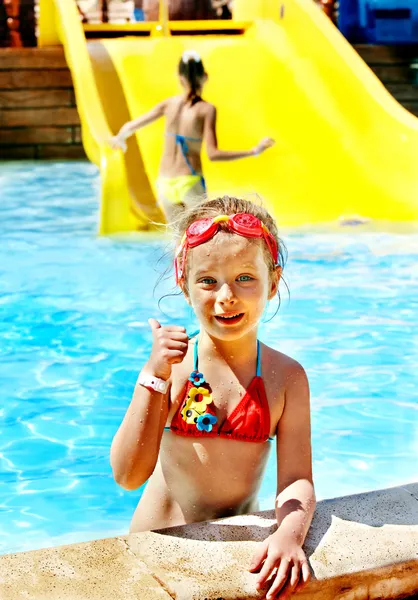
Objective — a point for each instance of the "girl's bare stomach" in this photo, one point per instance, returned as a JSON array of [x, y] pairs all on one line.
[[197, 480]]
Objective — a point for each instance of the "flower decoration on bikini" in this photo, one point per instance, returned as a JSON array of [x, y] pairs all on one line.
[[203, 230], [195, 409], [197, 378], [189, 55], [206, 422]]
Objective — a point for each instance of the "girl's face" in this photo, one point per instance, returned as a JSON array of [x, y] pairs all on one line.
[[229, 285]]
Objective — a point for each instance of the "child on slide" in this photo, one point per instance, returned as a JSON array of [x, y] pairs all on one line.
[[207, 407], [189, 119]]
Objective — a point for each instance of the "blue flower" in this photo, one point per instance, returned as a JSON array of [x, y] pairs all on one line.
[[197, 378], [205, 422]]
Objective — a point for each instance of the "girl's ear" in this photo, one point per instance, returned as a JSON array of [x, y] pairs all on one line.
[[275, 280], [184, 289]]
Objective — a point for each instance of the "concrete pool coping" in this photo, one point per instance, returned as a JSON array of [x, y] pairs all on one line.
[[359, 547]]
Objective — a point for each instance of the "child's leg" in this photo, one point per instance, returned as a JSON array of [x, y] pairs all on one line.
[[194, 194], [170, 210]]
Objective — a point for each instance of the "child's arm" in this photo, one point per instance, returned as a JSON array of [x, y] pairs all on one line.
[[214, 153], [119, 140], [295, 502], [136, 445]]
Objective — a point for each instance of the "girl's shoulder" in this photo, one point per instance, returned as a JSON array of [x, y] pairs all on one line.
[[279, 368], [284, 380], [174, 100], [205, 107]]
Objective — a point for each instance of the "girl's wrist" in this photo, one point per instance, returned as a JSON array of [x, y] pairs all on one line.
[[289, 533], [158, 371]]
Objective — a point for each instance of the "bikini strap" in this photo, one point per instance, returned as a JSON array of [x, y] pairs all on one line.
[[181, 140], [196, 356], [196, 359], [184, 137], [258, 368]]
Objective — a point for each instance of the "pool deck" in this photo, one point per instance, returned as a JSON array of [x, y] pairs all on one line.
[[359, 547]]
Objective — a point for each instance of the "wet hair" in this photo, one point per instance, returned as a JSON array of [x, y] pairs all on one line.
[[192, 69], [225, 205], [229, 205]]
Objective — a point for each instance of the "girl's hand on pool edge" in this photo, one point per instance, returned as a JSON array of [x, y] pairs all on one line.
[[169, 347], [282, 555]]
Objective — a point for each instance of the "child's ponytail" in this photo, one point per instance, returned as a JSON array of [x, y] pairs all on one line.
[[192, 69]]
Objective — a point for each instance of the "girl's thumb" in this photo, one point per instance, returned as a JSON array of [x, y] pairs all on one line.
[[154, 324]]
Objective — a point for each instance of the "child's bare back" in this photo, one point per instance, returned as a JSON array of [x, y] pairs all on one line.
[[189, 120]]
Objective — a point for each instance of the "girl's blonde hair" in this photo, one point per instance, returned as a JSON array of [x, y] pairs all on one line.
[[229, 205]]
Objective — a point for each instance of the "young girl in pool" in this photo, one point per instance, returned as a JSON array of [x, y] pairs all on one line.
[[189, 119], [206, 408]]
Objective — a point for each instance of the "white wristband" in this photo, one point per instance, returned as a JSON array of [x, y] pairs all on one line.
[[156, 384]]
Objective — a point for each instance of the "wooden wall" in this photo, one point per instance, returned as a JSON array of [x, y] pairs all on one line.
[[38, 115], [394, 67]]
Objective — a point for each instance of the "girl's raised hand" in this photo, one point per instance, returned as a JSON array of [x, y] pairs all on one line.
[[118, 144], [169, 347], [263, 145], [281, 553]]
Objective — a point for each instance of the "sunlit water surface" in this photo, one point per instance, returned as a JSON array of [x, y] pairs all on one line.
[[74, 335]]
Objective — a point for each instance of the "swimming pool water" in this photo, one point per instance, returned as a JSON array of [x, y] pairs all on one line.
[[74, 334]]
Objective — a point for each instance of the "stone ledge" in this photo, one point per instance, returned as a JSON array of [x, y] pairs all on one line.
[[359, 547]]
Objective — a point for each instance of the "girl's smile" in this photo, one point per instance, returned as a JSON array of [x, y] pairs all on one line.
[[229, 319]]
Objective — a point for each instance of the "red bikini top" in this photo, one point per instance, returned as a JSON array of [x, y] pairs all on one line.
[[196, 415]]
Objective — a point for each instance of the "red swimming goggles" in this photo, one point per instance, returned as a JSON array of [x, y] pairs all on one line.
[[203, 230]]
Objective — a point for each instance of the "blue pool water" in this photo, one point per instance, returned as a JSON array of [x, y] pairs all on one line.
[[74, 333]]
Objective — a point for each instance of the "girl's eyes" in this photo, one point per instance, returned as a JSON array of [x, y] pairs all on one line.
[[212, 281]]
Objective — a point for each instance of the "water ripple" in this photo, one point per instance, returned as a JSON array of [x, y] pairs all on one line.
[[74, 333]]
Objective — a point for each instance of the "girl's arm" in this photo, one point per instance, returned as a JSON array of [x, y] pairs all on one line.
[[212, 142], [136, 445], [119, 140], [295, 502]]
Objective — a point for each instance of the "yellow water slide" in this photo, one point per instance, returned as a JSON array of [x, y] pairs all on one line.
[[344, 146]]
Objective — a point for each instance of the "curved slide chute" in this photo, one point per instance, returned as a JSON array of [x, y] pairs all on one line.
[[345, 148]]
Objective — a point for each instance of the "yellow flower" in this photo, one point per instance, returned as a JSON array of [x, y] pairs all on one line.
[[190, 415], [199, 398], [196, 404]]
